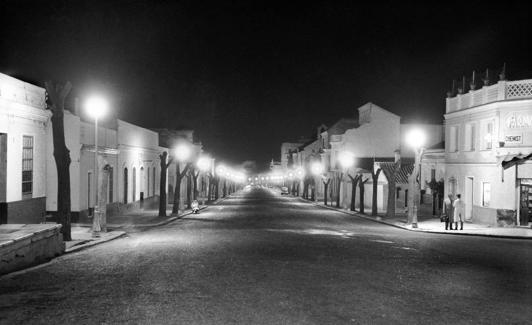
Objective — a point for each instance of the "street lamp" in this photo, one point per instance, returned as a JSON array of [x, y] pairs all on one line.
[[182, 153], [96, 107], [416, 139], [316, 168], [204, 165]]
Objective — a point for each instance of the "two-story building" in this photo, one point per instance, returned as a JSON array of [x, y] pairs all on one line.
[[488, 152]]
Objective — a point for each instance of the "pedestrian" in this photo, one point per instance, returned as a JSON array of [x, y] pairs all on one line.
[[448, 212], [459, 212]]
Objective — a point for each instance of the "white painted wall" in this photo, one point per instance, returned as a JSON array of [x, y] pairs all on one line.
[[22, 112]]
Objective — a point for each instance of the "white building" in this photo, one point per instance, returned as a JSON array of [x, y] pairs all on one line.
[[131, 154], [488, 152], [23, 125]]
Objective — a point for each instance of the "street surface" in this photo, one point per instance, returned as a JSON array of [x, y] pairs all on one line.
[[263, 258]]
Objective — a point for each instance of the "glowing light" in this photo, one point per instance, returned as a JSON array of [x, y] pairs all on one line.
[[183, 152], [346, 159], [416, 138], [316, 168], [96, 106], [204, 163]]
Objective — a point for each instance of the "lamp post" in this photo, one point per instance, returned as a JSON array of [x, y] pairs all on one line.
[[317, 169], [182, 153], [96, 108], [347, 160], [204, 165], [416, 139]]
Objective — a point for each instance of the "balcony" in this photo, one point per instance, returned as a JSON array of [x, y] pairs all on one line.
[[503, 90]]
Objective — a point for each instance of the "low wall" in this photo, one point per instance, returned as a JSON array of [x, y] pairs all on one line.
[[26, 211], [24, 245]]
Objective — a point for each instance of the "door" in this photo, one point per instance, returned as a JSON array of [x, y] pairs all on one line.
[[3, 178], [525, 206], [468, 198], [125, 185]]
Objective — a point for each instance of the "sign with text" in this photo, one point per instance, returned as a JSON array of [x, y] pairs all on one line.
[[519, 120], [513, 139]]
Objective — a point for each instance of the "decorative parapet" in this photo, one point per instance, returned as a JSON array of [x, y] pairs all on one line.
[[22, 92], [503, 90]]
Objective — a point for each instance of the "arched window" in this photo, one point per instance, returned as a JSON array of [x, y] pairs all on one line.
[[153, 185], [125, 185], [148, 183], [110, 185]]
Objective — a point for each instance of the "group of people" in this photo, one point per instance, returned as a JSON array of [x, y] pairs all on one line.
[[453, 212]]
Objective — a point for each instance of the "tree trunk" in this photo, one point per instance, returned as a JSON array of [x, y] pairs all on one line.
[[326, 187], [338, 190], [162, 184], [375, 177], [57, 94], [361, 186], [177, 189], [354, 183], [189, 191], [195, 176]]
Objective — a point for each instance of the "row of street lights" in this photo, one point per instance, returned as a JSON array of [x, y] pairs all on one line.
[[415, 138], [96, 107]]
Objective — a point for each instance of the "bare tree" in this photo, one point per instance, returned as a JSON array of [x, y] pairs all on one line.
[[56, 95], [354, 183], [375, 178]]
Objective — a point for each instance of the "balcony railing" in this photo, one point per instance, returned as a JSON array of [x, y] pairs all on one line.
[[503, 90]]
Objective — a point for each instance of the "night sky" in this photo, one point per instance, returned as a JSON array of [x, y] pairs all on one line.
[[249, 75]]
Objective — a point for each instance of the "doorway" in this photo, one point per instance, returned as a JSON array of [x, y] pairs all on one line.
[[3, 178], [525, 205], [468, 198], [125, 185]]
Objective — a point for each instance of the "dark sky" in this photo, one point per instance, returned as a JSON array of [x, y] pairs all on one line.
[[249, 75]]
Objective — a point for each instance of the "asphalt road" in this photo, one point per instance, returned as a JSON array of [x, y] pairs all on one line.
[[260, 258]]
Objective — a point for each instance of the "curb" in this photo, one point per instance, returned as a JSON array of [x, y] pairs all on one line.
[[412, 229], [95, 242]]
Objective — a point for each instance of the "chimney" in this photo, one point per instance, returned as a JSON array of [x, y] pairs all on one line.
[[397, 160]]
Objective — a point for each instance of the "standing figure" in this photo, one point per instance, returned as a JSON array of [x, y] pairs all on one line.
[[448, 212], [459, 212]]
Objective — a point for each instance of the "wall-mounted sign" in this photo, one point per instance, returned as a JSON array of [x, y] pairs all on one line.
[[513, 139], [519, 120]]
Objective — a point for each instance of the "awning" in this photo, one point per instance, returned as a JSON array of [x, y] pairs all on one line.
[[512, 159]]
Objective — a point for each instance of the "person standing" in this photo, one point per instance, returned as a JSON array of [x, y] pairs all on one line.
[[448, 212], [459, 212]]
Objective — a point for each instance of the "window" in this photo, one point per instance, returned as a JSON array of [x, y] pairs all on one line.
[[488, 136], [486, 194], [453, 139], [398, 192], [110, 199], [433, 174], [27, 166], [469, 138], [153, 180]]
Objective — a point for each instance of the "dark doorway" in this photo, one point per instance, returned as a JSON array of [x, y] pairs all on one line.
[[125, 185]]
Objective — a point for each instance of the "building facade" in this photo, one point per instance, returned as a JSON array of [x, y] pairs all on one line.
[[23, 126], [488, 152]]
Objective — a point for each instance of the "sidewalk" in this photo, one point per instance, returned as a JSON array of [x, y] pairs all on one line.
[[118, 225], [433, 225]]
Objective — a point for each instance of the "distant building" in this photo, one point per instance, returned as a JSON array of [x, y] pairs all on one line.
[[23, 125]]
